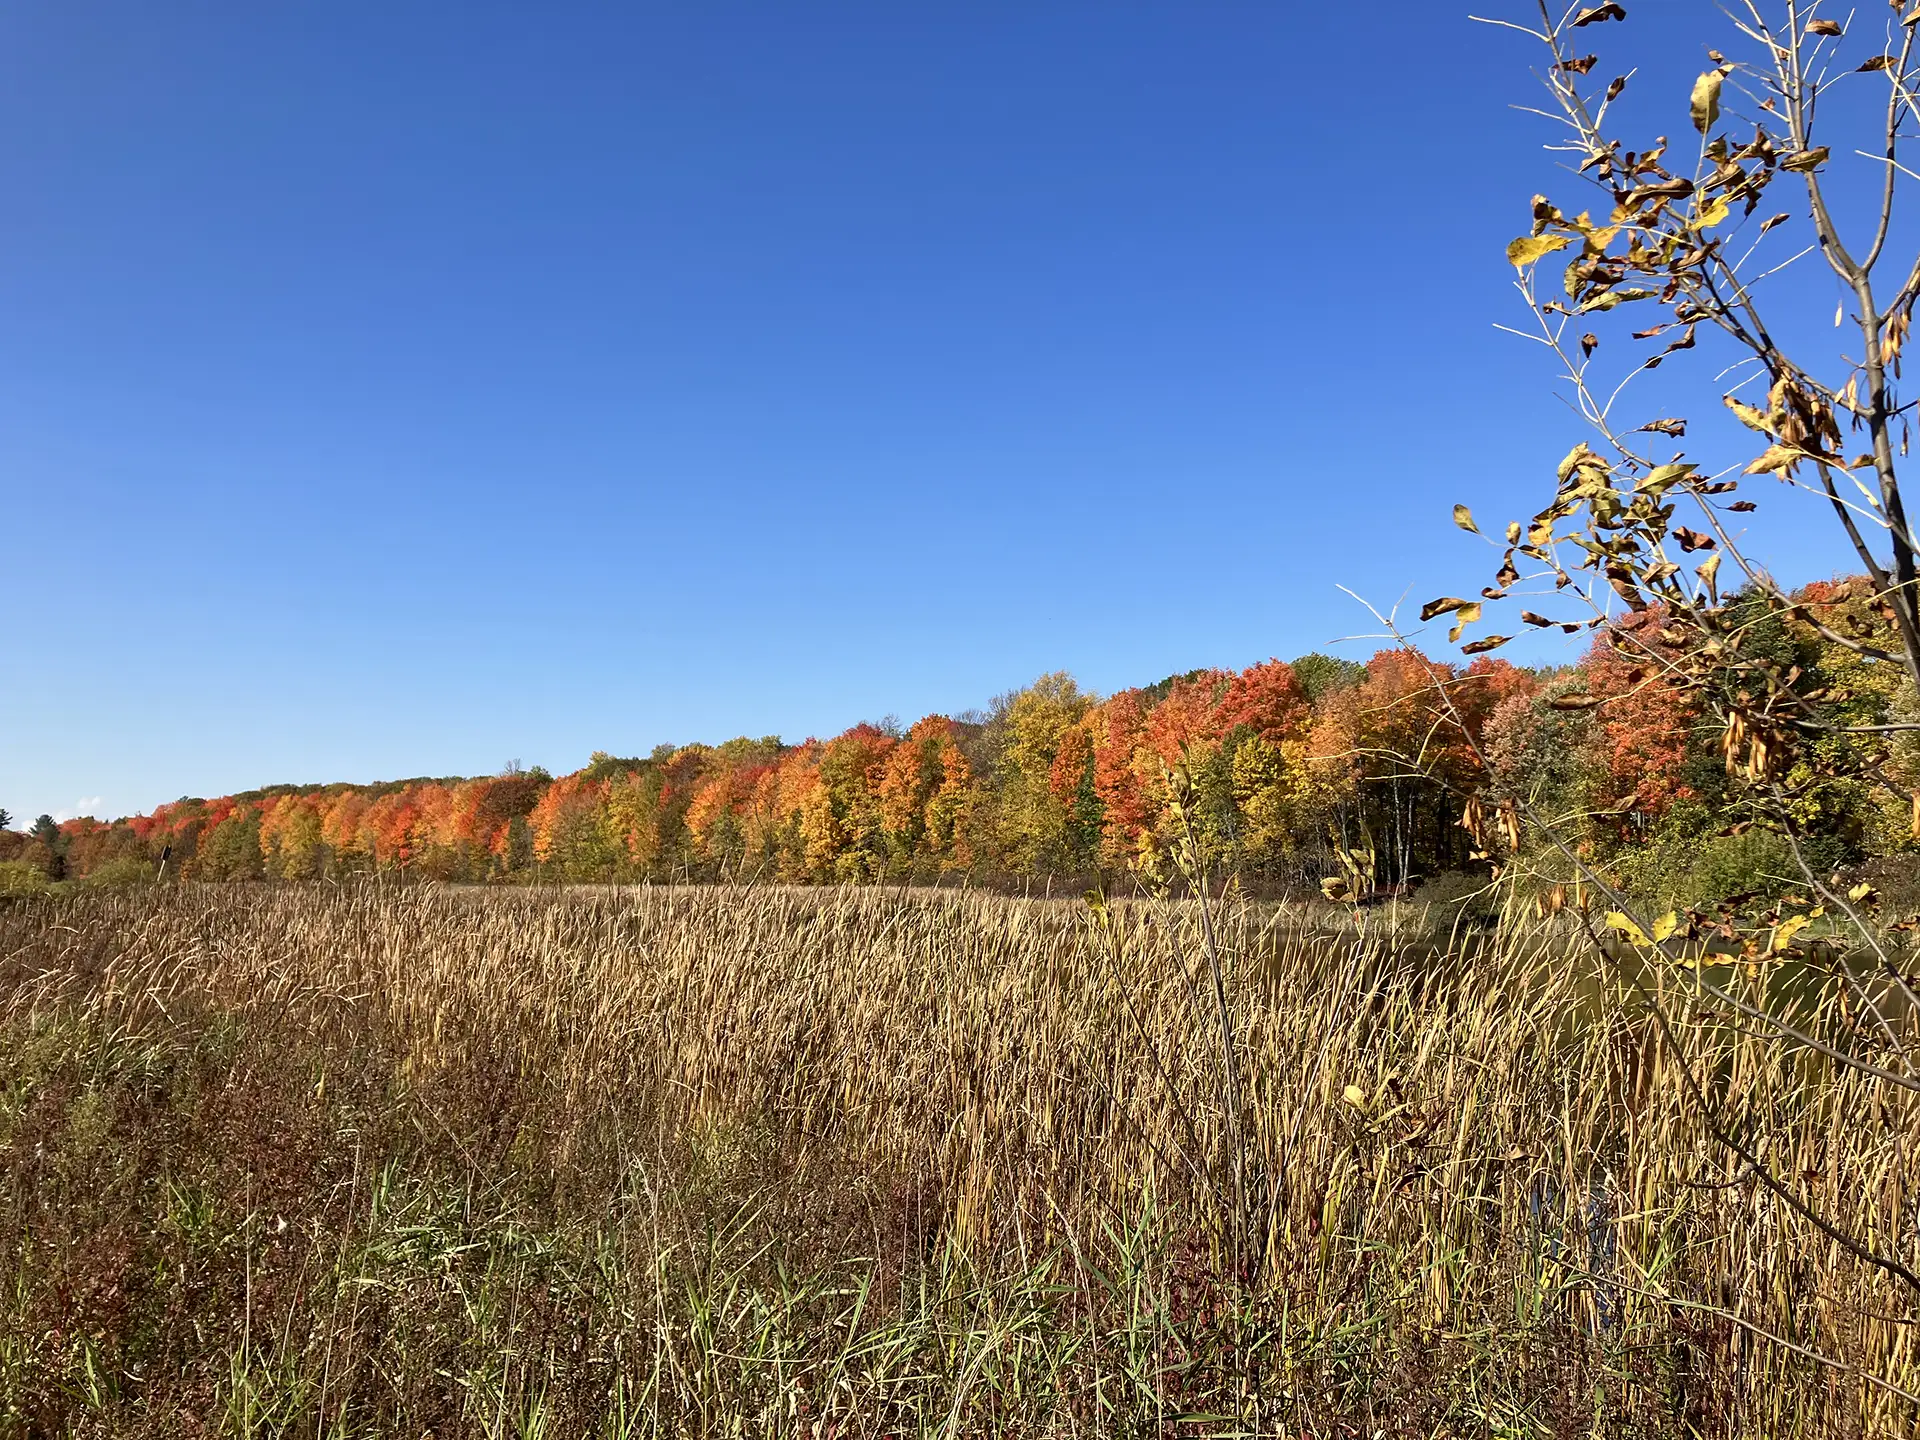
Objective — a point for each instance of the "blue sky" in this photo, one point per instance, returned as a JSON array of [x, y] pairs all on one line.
[[406, 388]]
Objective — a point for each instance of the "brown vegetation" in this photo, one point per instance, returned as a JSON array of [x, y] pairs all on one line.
[[861, 1163]]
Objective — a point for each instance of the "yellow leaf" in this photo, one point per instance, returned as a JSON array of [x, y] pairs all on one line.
[[1666, 475], [1777, 459], [1462, 618], [1783, 937], [1529, 248], [1748, 416], [1664, 927], [1463, 517], [1805, 160], [1712, 215], [1618, 920], [1355, 1097], [1706, 101]]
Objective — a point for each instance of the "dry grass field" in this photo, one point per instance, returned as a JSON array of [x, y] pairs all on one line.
[[854, 1163]]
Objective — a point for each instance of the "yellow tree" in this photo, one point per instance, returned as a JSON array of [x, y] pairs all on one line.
[[1033, 838], [290, 837]]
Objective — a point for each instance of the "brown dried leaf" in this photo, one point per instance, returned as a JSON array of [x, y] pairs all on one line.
[[1492, 642], [1805, 161], [1823, 27], [1678, 188], [1600, 12]]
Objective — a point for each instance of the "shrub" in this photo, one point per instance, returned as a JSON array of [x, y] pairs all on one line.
[[1897, 878], [121, 870], [1682, 870], [18, 877], [1458, 897], [1735, 864]]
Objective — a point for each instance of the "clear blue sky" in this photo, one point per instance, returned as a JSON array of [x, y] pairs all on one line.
[[401, 388]]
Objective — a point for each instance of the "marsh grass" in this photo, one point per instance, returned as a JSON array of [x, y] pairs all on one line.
[[692, 1161]]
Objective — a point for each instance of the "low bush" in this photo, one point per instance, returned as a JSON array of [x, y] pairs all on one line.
[[1682, 870], [125, 870], [1458, 898], [17, 877]]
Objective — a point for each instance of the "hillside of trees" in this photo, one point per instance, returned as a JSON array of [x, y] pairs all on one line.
[[1282, 766]]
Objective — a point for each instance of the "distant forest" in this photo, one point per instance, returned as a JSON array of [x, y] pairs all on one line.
[[1273, 772]]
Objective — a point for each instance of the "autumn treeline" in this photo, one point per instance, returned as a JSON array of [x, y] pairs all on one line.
[[1273, 771]]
